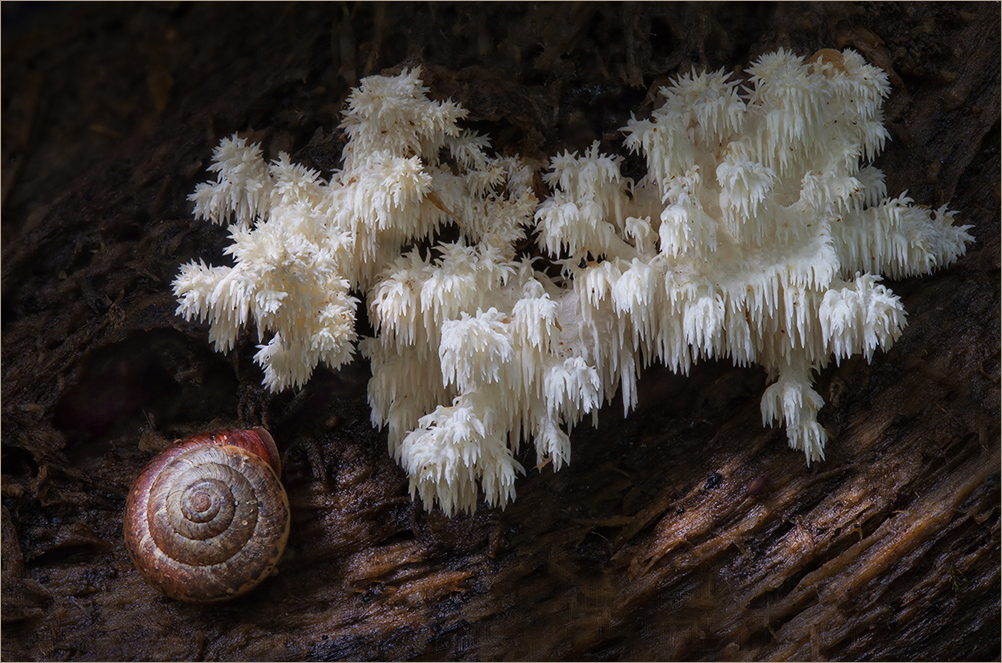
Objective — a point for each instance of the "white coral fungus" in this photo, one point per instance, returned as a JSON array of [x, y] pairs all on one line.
[[755, 235]]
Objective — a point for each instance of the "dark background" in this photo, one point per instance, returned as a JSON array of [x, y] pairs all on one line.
[[685, 531]]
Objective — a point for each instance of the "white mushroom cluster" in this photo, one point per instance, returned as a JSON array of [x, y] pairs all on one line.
[[758, 234]]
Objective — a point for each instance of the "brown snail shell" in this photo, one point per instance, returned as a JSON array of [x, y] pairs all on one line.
[[208, 519]]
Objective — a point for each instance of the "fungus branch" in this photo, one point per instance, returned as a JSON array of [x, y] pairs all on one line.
[[757, 235]]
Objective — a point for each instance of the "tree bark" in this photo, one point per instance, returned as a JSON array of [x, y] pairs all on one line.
[[684, 530]]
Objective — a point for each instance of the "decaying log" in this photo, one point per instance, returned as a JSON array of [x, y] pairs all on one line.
[[684, 531]]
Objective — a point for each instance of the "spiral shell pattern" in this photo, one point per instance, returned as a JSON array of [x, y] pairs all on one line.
[[208, 518]]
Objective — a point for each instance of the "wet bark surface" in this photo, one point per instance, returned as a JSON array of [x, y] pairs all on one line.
[[683, 531]]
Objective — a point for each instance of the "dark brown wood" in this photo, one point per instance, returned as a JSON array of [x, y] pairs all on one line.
[[684, 531]]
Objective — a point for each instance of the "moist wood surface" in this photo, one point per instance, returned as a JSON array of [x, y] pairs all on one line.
[[685, 531]]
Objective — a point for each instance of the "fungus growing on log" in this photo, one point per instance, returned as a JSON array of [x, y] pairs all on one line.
[[759, 233]]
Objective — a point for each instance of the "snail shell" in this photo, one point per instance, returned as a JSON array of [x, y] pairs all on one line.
[[208, 518]]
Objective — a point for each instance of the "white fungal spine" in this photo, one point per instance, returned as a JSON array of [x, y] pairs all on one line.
[[755, 235]]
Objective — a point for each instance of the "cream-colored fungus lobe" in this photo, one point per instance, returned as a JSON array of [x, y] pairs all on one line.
[[759, 234]]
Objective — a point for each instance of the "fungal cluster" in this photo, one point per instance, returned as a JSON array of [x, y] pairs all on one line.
[[759, 234]]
